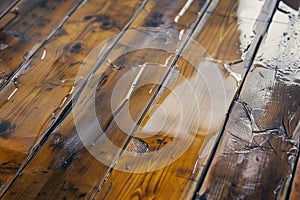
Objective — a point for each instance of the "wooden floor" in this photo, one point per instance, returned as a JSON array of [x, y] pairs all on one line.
[[149, 99]]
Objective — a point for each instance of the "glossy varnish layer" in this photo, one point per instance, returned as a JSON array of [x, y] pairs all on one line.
[[24, 29], [48, 79], [258, 150], [143, 102], [67, 134], [181, 176]]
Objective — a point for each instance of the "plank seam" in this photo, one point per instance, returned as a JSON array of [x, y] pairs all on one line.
[[41, 45], [8, 9], [68, 107], [203, 10], [294, 170], [259, 39]]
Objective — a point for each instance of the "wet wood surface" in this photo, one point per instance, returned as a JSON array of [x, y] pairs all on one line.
[[78, 123], [46, 93], [295, 188], [5, 6], [67, 132], [24, 29], [181, 177], [258, 149]]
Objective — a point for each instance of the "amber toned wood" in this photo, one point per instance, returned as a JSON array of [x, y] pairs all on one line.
[[38, 111], [49, 78], [87, 187], [179, 179], [257, 152], [25, 28]]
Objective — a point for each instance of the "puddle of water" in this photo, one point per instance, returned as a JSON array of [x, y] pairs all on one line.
[[247, 13], [192, 102], [232, 27], [281, 48]]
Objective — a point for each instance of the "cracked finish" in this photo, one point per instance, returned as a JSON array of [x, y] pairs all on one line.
[[257, 153], [62, 156]]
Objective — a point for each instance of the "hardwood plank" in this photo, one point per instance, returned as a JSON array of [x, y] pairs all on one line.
[[62, 169], [25, 28], [6, 6], [295, 194], [182, 175], [43, 88], [256, 155]]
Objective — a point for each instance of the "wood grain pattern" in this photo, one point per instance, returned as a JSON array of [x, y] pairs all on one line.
[[25, 28], [256, 155], [62, 169], [181, 176], [47, 82], [144, 125], [295, 187], [6, 5]]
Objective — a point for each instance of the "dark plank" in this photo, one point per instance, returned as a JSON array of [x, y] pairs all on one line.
[[6, 5], [182, 175], [295, 187], [58, 162], [256, 155], [25, 28], [42, 89]]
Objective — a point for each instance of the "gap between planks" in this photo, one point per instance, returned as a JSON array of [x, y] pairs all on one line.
[[61, 117], [156, 92], [249, 61], [5, 11], [68, 107], [40, 45]]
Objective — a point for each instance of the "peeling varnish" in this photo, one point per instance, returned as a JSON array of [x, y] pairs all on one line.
[[181, 34], [196, 165], [236, 76], [133, 85], [44, 54], [182, 11], [12, 94], [66, 97], [71, 91], [167, 61], [63, 102]]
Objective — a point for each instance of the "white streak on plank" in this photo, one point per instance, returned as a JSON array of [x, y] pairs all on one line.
[[44, 55], [182, 11], [12, 94]]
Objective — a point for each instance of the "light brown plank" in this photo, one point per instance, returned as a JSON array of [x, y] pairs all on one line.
[[37, 92], [58, 162], [257, 152], [25, 28], [179, 179]]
